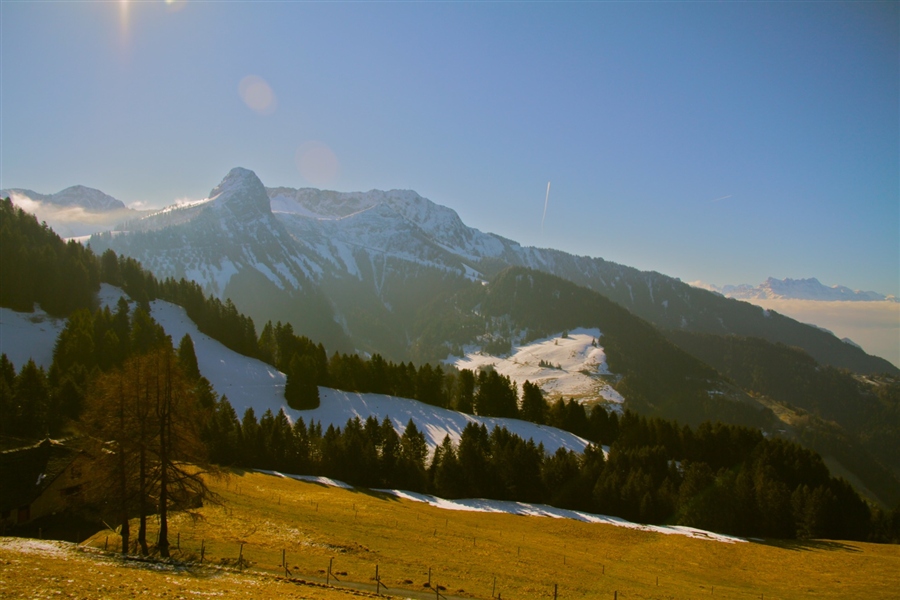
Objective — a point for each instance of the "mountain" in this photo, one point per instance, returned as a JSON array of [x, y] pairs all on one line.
[[354, 270], [795, 289], [234, 246], [90, 199], [74, 211]]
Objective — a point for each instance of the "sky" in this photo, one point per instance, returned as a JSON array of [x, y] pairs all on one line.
[[722, 142]]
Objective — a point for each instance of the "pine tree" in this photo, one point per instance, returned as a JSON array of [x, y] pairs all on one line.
[[534, 407], [187, 358]]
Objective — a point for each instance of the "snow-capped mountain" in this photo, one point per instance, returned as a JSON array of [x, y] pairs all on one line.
[[212, 241], [90, 199], [74, 211], [795, 289], [354, 270]]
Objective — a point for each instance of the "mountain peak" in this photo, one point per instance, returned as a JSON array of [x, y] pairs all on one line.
[[241, 188]]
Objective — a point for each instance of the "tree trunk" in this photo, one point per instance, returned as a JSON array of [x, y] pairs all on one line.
[[123, 477], [165, 407], [142, 500]]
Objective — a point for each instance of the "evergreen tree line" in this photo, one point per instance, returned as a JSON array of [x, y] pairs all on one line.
[[37, 266], [60, 394], [117, 378], [717, 477], [722, 478], [37, 403]]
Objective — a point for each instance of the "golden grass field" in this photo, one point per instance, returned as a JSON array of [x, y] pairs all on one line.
[[469, 554]]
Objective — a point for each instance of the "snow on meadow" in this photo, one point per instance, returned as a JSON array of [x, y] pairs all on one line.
[[522, 509], [250, 383], [26, 336], [571, 367]]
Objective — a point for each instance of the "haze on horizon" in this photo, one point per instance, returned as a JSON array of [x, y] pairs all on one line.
[[721, 142]]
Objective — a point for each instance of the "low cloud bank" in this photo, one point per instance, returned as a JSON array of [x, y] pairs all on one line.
[[875, 326]]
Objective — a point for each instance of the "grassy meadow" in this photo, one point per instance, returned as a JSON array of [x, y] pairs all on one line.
[[478, 555]]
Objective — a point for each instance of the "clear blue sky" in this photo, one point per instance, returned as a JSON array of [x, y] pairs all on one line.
[[726, 142]]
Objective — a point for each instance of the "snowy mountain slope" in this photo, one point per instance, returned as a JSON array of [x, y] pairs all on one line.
[[212, 241], [571, 367], [372, 259], [249, 383], [796, 289]]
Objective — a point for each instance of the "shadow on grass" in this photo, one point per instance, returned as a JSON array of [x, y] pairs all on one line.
[[64, 526], [811, 545], [353, 489]]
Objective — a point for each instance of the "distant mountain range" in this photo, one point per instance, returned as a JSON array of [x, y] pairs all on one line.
[[794, 289], [356, 270], [87, 198], [73, 212]]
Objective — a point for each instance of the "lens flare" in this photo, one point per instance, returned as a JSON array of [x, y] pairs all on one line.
[[317, 163], [123, 20], [257, 94]]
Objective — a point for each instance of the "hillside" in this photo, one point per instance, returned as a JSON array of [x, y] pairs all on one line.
[[250, 383], [571, 366], [468, 554], [474, 459], [373, 259]]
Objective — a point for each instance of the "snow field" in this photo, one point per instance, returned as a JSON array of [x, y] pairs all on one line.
[[579, 376]]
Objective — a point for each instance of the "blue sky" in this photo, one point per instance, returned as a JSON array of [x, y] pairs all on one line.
[[725, 142]]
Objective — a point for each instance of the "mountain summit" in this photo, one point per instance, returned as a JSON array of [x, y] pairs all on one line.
[[90, 199], [241, 191], [361, 271]]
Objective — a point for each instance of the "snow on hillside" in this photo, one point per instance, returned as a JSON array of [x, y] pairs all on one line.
[[571, 366], [245, 381], [522, 508], [250, 383], [26, 336]]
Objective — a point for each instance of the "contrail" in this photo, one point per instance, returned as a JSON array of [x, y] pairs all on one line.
[[722, 198], [546, 198]]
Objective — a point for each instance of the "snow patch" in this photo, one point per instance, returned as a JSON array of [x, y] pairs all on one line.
[[25, 336], [580, 359], [523, 509]]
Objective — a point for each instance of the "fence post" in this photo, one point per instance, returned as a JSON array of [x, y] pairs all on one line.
[[555, 589], [202, 550]]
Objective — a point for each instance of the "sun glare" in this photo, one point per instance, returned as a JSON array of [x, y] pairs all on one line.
[[317, 163]]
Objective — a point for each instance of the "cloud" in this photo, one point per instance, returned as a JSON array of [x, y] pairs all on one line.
[[70, 221], [875, 326]]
